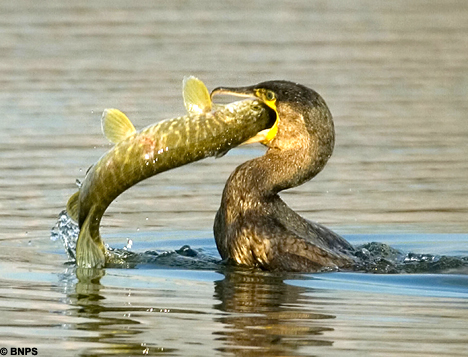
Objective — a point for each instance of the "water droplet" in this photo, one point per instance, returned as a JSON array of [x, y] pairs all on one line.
[[129, 244], [67, 231]]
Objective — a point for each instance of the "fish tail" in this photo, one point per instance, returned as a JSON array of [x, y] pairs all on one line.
[[90, 249]]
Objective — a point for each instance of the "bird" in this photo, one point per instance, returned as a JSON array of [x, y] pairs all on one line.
[[254, 227]]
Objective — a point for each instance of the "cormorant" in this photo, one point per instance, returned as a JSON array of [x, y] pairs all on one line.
[[254, 226]]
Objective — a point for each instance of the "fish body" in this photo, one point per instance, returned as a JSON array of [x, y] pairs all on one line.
[[157, 148]]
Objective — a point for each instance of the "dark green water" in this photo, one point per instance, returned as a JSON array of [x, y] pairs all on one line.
[[395, 76]]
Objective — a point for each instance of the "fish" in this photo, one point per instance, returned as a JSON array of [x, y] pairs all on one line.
[[207, 129]]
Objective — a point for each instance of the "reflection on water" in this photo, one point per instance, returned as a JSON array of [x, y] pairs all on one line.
[[260, 316], [251, 313], [265, 316], [109, 325]]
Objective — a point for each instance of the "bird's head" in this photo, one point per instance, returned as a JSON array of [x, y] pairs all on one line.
[[301, 114]]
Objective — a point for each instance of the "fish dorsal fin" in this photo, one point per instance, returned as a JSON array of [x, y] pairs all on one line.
[[196, 96], [73, 206], [116, 126]]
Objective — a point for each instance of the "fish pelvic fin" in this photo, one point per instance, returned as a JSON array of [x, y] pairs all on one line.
[[264, 136], [197, 99], [90, 250], [116, 126], [73, 206]]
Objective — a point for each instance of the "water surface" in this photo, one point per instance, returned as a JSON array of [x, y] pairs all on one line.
[[395, 76]]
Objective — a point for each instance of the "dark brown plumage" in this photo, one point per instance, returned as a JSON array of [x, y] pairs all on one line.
[[253, 226]]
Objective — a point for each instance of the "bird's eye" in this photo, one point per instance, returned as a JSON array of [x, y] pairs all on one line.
[[269, 95]]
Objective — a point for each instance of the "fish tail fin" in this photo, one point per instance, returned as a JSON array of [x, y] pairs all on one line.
[[197, 99], [90, 249]]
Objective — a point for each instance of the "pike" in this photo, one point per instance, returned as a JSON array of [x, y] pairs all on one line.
[[207, 130]]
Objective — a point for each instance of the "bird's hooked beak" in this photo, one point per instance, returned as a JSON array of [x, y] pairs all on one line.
[[264, 136], [246, 92]]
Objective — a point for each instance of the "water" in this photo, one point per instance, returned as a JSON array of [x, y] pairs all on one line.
[[395, 76]]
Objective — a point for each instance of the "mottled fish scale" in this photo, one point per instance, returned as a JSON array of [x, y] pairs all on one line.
[[166, 145]]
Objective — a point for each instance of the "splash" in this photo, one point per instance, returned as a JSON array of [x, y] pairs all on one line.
[[381, 258], [67, 231], [377, 258]]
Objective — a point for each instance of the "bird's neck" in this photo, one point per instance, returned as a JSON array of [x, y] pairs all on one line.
[[279, 169]]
